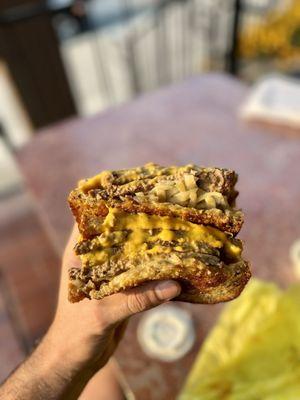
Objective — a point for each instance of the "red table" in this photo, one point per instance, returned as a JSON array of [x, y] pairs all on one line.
[[193, 122]]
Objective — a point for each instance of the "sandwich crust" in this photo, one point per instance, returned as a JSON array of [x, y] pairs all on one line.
[[200, 282]]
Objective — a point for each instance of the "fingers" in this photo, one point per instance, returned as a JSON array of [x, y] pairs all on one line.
[[120, 306]]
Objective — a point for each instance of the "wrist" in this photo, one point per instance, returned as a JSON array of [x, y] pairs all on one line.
[[54, 366], [60, 353], [71, 354]]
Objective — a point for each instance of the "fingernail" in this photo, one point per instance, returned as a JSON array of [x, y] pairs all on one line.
[[167, 290]]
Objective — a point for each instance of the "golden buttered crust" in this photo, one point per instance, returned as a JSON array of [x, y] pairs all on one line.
[[200, 282], [90, 211]]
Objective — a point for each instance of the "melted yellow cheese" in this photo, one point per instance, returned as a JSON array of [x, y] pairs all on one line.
[[125, 176], [118, 221], [145, 229], [97, 257], [96, 181]]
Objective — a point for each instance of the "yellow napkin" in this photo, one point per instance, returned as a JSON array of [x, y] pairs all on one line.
[[253, 352]]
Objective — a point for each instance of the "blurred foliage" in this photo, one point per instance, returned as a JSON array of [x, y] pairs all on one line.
[[277, 36]]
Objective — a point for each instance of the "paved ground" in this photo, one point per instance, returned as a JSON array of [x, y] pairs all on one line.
[[27, 288]]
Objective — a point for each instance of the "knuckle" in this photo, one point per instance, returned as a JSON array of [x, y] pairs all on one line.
[[99, 321], [153, 299], [137, 302], [140, 301]]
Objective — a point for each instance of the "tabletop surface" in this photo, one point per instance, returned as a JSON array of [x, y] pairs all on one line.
[[193, 122]]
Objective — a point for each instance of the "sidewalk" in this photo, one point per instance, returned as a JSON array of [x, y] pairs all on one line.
[[29, 271]]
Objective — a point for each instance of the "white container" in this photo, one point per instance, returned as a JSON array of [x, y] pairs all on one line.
[[166, 333]]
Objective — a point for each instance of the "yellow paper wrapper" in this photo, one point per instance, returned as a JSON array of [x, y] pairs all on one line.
[[253, 353]]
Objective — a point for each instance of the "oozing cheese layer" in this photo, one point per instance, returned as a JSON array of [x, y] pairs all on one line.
[[138, 233], [100, 180]]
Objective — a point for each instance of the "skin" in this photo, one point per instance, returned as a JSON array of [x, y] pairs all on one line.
[[81, 339]]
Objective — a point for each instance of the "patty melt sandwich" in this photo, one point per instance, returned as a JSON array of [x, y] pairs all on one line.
[[153, 223]]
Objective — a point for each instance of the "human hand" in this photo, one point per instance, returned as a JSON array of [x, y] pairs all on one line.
[[81, 338], [88, 332]]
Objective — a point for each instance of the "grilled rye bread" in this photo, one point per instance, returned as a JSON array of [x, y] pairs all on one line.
[[199, 195], [152, 223]]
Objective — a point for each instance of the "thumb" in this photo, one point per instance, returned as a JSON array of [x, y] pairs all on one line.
[[122, 305]]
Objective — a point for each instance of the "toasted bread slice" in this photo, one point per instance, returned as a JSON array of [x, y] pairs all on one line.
[[203, 278], [199, 195]]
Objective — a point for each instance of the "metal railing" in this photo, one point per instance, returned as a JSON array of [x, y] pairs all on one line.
[[159, 42]]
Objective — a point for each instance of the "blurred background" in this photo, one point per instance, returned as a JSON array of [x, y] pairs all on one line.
[[67, 58], [99, 53]]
